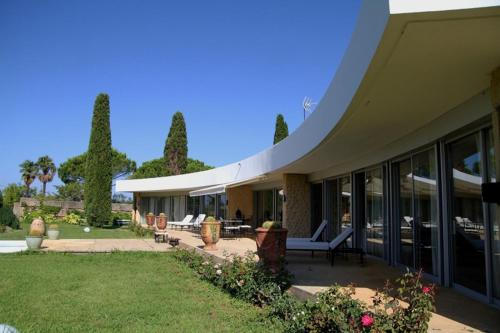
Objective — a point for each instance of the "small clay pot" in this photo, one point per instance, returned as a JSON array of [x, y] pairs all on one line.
[[271, 246], [150, 220], [161, 223]]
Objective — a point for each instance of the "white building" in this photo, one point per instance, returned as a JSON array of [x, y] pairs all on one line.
[[398, 148]]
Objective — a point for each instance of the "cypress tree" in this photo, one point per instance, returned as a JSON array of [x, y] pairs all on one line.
[[281, 130], [98, 170], [176, 150]]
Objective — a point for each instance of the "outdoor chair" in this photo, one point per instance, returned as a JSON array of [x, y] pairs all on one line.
[[337, 245], [198, 220], [229, 230], [184, 223], [314, 237]]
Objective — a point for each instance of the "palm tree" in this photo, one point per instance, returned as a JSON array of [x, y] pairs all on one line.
[[28, 171], [46, 171]]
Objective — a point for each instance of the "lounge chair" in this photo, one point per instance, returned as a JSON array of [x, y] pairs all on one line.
[[314, 237], [184, 223], [197, 222], [330, 247]]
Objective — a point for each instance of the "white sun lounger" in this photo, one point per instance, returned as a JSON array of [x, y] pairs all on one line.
[[330, 247], [184, 223], [314, 237]]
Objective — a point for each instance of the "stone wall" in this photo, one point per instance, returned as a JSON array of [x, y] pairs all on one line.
[[297, 205], [63, 204], [241, 198]]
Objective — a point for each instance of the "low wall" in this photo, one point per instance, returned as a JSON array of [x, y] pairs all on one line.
[[64, 205]]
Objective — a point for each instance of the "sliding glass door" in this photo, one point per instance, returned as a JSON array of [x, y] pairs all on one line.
[[467, 212], [374, 212], [416, 202]]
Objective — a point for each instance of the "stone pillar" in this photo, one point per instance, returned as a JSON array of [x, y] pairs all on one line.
[[136, 210], [297, 205], [495, 101], [241, 198]]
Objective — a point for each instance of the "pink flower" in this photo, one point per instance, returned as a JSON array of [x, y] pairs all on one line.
[[426, 289], [367, 320]]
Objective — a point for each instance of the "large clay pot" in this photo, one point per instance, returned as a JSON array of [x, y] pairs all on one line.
[[161, 222], [271, 246], [210, 233], [38, 226], [150, 220]]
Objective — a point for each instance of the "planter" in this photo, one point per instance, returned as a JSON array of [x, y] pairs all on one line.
[[271, 246], [150, 220], [53, 234], [210, 233], [161, 224], [38, 226], [34, 242]]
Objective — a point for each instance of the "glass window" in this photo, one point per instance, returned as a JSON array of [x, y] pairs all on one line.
[[345, 203], [406, 219], [265, 209], [425, 215], [495, 214], [193, 206], [467, 229], [209, 205], [316, 206], [222, 205], [374, 212], [279, 205]]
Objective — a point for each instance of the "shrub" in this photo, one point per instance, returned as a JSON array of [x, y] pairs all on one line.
[[210, 219], [71, 218], [49, 210], [271, 225], [35, 233], [54, 227], [115, 216], [335, 310], [7, 218], [242, 277]]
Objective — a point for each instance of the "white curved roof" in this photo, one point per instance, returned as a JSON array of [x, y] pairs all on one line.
[[404, 67]]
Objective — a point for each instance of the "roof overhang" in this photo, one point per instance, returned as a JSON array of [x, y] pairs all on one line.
[[408, 64]]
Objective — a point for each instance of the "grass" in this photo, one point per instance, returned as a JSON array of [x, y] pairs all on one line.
[[70, 231], [118, 292]]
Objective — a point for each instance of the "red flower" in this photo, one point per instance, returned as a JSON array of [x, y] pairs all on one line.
[[426, 289], [367, 320]]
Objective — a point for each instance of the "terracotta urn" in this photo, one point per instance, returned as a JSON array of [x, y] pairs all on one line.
[[210, 233], [150, 220], [161, 223], [38, 226], [271, 246]]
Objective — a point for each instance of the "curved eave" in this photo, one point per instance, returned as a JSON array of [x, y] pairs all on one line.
[[390, 82]]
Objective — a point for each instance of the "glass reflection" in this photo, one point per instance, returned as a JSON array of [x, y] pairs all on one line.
[[467, 217], [405, 213], [374, 212], [495, 214]]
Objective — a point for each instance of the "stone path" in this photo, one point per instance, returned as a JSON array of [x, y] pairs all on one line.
[[103, 245]]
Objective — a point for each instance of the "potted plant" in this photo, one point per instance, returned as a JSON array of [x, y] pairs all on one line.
[[34, 239], [150, 219], [53, 232], [210, 233], [271, 243], [162, 222]]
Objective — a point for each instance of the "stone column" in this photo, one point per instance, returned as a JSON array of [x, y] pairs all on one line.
[[136, 210], [241, 198], [297, 205]]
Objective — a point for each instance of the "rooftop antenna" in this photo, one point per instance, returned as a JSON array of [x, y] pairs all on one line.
[[307, 105]]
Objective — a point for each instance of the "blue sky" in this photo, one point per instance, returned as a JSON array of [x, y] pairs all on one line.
[[229, 66]]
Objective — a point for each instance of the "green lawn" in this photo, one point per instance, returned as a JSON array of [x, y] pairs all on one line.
[[69, 231], [118, 292]]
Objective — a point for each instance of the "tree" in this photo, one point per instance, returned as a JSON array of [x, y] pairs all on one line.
[[152, 168], [176, 150], [196, 166], [28, 171], [281, 130], [12, 193], [98, 168], [1, 199], [73, 169], [156, 168], [70, 191], [46, 171]]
